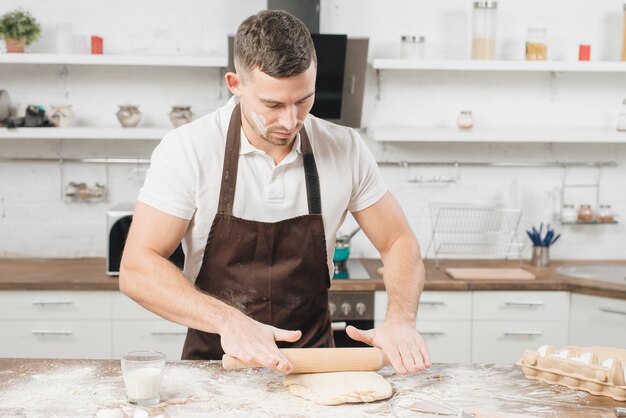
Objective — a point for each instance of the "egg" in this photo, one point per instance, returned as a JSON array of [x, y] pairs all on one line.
[[586, 357], [608, 362], [563, 353], [543, 350]]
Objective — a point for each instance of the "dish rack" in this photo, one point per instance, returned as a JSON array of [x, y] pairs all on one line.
[[597, 370], [474, 231]]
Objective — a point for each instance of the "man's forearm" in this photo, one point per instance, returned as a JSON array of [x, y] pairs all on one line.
[[159, 286], [404, 278]]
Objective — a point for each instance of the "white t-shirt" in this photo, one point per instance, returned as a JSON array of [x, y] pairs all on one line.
[[185, 175]]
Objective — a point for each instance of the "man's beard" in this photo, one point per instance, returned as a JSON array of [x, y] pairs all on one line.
[[267, 134]]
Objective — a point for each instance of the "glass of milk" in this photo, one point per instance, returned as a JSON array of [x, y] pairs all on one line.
[[143, 372]]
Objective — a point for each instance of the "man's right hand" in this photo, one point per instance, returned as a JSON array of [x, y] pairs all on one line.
[[251, 341]]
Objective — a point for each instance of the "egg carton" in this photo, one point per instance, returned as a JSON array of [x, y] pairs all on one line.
[[597, 370]]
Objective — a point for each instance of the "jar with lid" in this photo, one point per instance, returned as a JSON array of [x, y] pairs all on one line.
[[537, 44], [621, 118], [412, 47], [569, 213], [465, 120], [585, 213], [484, 30], [605, 214]]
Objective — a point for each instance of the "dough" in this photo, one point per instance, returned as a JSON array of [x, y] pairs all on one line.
[[338, 387]]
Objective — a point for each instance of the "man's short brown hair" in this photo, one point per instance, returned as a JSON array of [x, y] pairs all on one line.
[[275, 42]]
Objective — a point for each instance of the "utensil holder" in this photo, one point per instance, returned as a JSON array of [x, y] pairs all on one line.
[[541, 257]]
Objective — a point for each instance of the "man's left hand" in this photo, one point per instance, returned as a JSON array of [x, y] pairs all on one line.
[[400, 342]]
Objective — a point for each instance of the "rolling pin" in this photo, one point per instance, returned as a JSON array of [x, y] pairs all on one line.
[[322, 360]]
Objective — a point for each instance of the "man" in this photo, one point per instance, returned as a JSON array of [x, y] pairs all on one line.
[[258, 190]]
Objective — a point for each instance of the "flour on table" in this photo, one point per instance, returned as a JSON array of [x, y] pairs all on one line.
[[339, 387]]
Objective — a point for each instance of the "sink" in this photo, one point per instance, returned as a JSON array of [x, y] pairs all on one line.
[[615, 273]]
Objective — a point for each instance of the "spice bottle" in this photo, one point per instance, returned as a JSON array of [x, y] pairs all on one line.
[[569, 213], [537, 44], [605, 214], [412, 47], [585, 214], [484, 30], [465, 120]]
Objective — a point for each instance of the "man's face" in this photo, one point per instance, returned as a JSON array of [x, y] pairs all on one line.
[[275, 108]]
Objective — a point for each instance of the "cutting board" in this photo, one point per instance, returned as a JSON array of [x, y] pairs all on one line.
[[490, 274]]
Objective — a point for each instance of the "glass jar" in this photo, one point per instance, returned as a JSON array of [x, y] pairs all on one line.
[[412, 47], [569, 213], [537, 44], [621, 118], [484, 30], [465, 120], [585, 214], [605, 214], [624, 42]]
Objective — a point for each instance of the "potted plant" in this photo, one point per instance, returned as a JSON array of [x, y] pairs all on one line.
[[19, 28]]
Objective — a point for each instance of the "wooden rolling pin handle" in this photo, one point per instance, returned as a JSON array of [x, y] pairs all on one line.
[[320, 360]]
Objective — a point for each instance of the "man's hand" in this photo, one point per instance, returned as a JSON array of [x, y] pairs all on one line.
[[400, 341], [251, 341]]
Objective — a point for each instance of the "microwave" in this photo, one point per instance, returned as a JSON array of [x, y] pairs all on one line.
[[118, 223]]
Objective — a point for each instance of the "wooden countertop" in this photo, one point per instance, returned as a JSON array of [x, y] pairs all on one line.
[[88, 274], [80, 388]]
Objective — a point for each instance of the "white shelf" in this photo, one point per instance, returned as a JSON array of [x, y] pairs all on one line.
[[84, 133], [541, 135], [88, 59], [476, 65]]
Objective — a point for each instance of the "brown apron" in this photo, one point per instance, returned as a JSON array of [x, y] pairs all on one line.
[[276, 273]]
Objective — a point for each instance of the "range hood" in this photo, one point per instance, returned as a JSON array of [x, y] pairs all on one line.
[[340, 85]]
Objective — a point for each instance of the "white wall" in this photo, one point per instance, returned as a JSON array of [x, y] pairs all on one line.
[[35, 221]]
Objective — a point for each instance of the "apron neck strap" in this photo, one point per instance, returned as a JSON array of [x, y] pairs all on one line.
[[231, 163]]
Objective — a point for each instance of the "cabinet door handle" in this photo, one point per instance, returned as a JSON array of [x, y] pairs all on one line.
[[168, 332], [51, 332], [522, 333], [432, 302], [338, 326], [612, 310], [432, 333], [52, 301], [523, 303]]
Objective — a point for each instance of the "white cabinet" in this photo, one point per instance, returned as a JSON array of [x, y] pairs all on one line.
[[56, 338], [444, 320], [507, 322], [597, 321], [136, 328], [82, 324], [66, 324]]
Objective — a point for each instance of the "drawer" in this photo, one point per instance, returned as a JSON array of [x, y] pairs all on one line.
[[522, 305], [597, 321], [125, 308], [504, 342], [448, 341], [445, 306], [55, 304], [152, 334], [433, 305], [56, 339]]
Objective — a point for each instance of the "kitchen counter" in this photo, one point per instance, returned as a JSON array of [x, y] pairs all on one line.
[[80, 388], [88, 274]]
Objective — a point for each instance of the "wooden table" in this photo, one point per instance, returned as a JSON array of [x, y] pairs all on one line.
[[80, 388]]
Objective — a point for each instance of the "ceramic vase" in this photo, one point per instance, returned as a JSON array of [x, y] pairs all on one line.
[[180, 115], [129, 115], [61, 115]]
